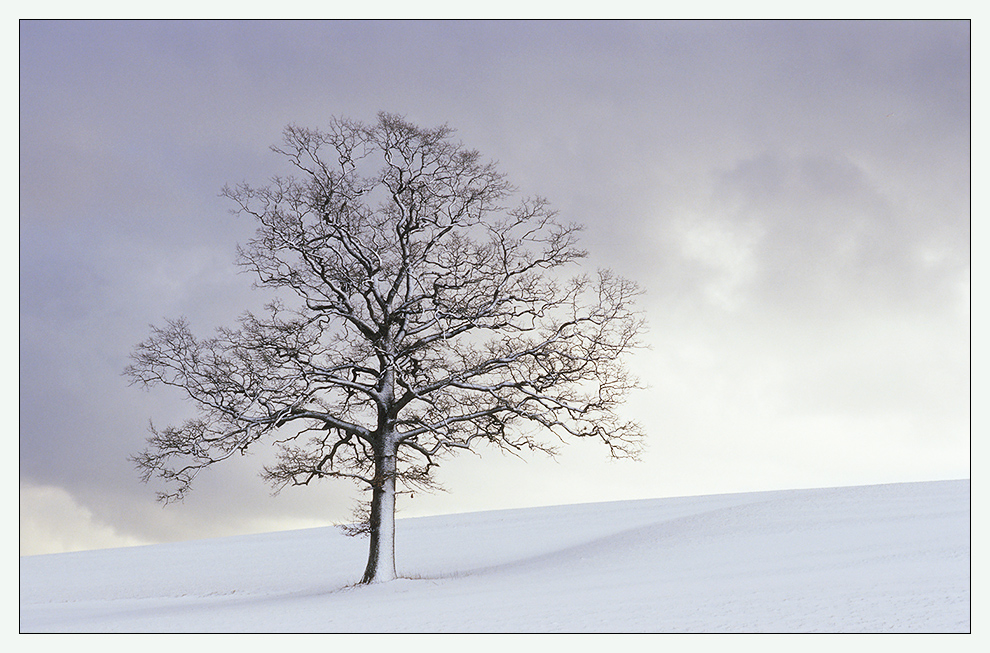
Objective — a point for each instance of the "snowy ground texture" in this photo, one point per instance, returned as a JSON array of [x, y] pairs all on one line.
[[884, 558]]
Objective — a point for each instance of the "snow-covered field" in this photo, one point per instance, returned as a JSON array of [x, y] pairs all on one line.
[[885, 558]]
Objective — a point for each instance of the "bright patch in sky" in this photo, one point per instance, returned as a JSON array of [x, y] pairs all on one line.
[[726, 251]]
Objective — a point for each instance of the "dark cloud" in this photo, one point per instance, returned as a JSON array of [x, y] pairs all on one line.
[[828, 235]]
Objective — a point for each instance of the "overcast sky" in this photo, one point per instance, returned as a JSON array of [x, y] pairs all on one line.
[[793, 198]]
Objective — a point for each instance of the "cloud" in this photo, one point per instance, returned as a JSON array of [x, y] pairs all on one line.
[[53, 522], [829, 235], [726, 251]]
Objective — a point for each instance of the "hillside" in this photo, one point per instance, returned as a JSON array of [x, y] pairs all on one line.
[[885, 558]]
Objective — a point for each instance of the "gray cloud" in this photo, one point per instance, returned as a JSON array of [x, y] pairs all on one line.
[[825, 227]]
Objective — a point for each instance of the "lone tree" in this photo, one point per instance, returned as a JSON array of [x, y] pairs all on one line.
[[417, 315]]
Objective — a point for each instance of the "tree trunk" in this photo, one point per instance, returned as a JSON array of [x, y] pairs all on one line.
[[381, 557]]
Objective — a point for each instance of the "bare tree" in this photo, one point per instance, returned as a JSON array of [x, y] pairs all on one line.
[[425, 317]]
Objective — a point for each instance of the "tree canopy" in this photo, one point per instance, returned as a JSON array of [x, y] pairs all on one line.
[[417, 312]]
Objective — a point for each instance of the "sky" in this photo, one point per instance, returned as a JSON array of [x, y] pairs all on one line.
[[793, 197]]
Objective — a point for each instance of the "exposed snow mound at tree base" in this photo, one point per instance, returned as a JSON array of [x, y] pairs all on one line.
[[885, 558]]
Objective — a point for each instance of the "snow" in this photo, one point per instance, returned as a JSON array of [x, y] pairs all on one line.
[[881, 558]]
